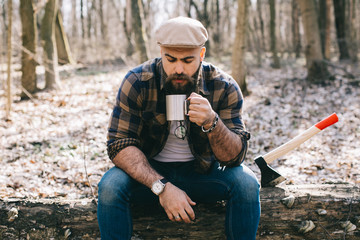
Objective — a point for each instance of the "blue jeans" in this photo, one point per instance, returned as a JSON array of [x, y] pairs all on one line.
[[237, 185]]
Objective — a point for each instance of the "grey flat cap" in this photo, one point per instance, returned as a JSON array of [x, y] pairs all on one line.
[[181, 32]]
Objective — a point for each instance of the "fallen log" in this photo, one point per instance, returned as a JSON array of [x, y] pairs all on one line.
[[331, 211]]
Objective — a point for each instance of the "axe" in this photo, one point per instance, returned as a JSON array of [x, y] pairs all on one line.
[[269, 177]]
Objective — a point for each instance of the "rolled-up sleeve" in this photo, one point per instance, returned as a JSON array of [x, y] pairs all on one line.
[[125, 122], [230, 114]]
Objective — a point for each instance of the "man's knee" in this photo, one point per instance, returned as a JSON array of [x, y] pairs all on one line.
[[113, 187], [247, 186]]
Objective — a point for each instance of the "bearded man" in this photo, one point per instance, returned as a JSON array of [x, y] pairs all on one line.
[[153, 165]]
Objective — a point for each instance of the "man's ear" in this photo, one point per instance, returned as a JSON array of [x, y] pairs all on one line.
[[202, 53]]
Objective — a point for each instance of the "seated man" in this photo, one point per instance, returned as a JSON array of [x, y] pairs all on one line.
[[155, 163]]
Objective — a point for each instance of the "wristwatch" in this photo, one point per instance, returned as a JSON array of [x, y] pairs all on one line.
[[159, 186]]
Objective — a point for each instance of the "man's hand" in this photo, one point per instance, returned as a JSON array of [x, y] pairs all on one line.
[[177, 204], [200, 111]]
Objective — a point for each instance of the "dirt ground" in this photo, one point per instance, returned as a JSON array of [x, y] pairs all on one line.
[[54, 145]]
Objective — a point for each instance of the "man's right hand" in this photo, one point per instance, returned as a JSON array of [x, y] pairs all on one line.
[[177, 204]]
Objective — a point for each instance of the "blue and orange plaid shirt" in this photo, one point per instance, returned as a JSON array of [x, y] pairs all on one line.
[[139, 115]]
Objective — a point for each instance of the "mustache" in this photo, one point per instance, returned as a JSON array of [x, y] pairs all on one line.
[[176, 76]]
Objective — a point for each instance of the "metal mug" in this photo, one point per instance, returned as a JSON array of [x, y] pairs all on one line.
[[176, 107]]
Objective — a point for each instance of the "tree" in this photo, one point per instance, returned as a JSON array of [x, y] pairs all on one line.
[[238, 62], [62, 43], [316, 66], [276, 60], [29, 39], [9, 53], [140, 36], [341, 27], [52, 78], [324, 26], [296, 29]]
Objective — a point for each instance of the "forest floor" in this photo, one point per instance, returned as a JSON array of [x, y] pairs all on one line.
[[54, 144]]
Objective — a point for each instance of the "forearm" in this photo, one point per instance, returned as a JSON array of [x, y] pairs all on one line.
[[225, 144], [133, 161]]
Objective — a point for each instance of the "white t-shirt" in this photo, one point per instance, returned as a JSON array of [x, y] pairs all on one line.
[[175, 149]]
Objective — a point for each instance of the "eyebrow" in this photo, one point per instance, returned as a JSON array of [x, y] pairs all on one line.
[[182, 59]]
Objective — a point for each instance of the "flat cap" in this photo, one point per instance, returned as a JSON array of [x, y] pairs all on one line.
[[181, 32]]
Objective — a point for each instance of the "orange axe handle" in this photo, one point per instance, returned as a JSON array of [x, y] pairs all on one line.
[[299, 139]]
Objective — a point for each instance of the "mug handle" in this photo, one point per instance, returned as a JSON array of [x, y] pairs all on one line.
[[186, 106]]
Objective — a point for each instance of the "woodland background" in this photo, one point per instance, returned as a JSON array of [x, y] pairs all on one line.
[[61, 63]]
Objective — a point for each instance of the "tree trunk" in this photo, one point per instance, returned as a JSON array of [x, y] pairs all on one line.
[[82, 19], [128, 29], [261, 22], [354, 31], [239, 49], [62, 43], [9, 55], [341, 27], [316, 66], [255, 38], [29, 39], [276, 60], [324, 27], [104, 32], [296, 29], [140, 37], [52, 78], [4, 30], [327, 206]]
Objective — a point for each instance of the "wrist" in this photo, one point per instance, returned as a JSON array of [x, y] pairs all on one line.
[[208, 127]]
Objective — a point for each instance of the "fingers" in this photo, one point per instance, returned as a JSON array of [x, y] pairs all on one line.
[[200, 110]]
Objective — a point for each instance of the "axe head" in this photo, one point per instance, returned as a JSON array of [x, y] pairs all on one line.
[[269, 177]]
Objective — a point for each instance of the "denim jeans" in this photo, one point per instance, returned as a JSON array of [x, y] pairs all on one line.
[[237, 185]]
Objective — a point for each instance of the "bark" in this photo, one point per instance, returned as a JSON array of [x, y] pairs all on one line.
[[239, 49], [261, 22], [127, 29], [62, 42], [9, 55], [55, 219], [296, 29], [324, 27], [354, 31], [273, 39], [316, 66], [104, 32], [140, 36], [29, 39], [52, 78], [341, 27], [255, 38], [82, 19]]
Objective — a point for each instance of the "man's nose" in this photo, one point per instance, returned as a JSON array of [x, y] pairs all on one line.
[[179, 68]]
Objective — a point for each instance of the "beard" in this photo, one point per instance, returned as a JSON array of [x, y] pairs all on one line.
[[172, 87]]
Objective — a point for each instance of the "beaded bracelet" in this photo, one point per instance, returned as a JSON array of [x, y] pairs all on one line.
[[212, 126]]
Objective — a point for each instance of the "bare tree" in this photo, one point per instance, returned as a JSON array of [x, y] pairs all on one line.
[[29, 39], [62, 42], [296, 29], [9, 54], [238, 62], [52, 78], [276, 60], [140, 36], [341, 27], [316, 66]]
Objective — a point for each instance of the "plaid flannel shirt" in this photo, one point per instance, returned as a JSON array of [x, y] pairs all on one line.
[[139, 115]]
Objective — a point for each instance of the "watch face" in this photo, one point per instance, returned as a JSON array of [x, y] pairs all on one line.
[[157, 188]]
